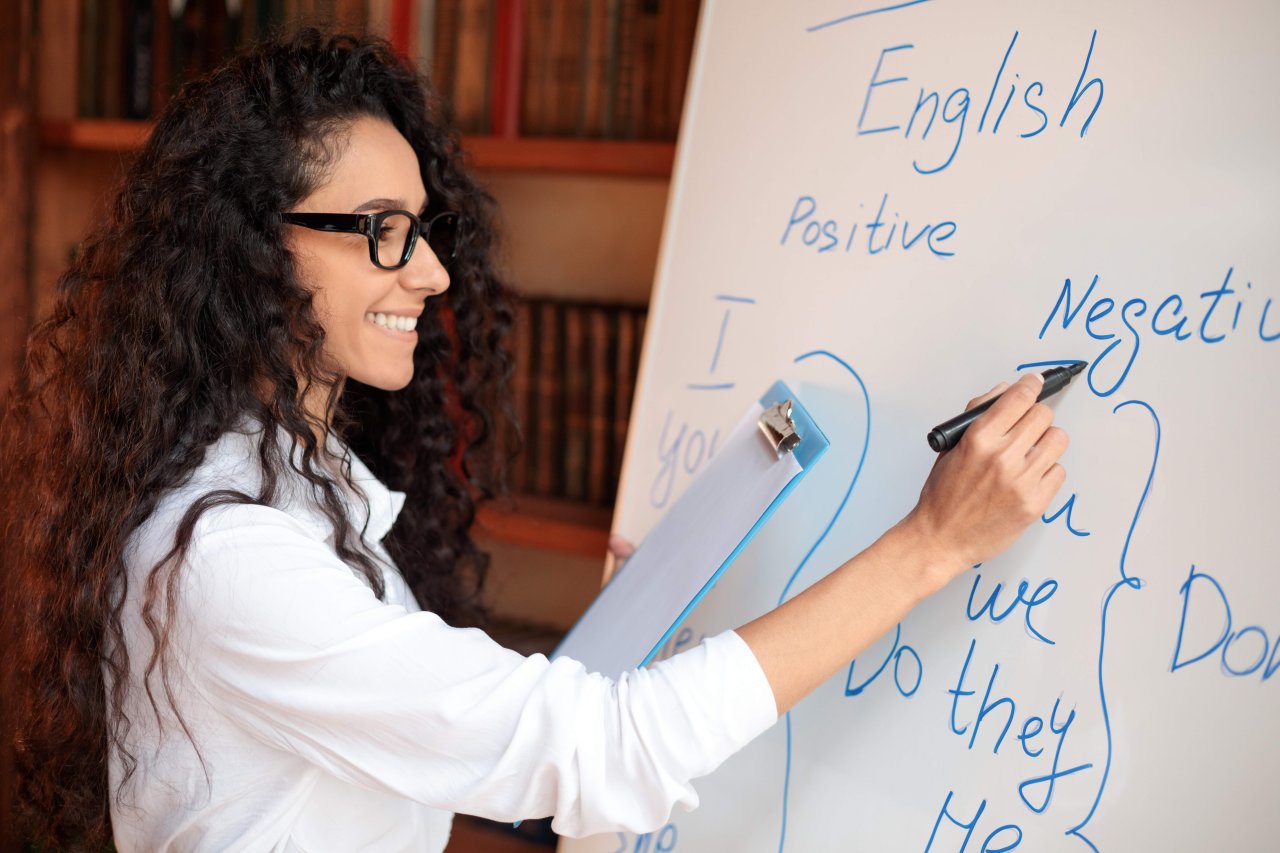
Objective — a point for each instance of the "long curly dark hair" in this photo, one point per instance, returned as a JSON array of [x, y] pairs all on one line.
[[183, 314]]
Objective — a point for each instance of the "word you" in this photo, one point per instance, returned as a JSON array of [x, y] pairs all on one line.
[[1240, 652], [887, 101], [683, 451], [1214, 318], [883, 236]]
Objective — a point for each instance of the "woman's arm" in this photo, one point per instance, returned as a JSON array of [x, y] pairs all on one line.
[[977, 500]]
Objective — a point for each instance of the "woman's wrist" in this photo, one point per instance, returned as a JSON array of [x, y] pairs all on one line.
[[926, 562]]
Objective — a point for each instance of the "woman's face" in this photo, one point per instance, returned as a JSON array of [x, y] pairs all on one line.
[[377, 171]]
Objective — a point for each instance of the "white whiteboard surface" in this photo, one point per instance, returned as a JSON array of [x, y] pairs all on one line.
[[1169, 198]]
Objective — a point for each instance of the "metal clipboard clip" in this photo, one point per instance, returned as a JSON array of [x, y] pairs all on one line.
[[776, 424]]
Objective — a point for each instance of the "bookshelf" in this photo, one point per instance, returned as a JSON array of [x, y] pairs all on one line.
[[626, 158]]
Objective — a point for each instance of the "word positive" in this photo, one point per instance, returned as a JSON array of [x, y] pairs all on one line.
[[882, 235]]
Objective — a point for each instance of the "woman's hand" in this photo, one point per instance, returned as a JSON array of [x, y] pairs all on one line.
[[999, 479], [620, 550], [978, 498]]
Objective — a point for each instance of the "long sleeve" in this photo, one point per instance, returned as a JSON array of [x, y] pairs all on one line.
[[285, 641]]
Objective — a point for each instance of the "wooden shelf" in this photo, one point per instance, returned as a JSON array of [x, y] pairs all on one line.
[[552, 525], [95, 134], [583, 156]]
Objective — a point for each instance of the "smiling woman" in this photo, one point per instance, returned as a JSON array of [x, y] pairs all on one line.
[[206, 361], [370, 287], [259, 363]]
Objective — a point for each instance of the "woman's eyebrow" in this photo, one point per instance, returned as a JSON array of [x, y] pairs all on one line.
[[378, 204]]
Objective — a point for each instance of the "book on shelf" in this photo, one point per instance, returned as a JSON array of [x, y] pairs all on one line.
[[469, 83], [600, 440], [548, 428], [402, 28], [88, 93], [443, 46], [568, 19], [576, 420], [507, 67], [601, 30], [572, 383], [624, 376], [536, 68], [522, 353]]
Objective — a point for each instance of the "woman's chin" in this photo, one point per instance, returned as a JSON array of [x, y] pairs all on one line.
[[386, 381]]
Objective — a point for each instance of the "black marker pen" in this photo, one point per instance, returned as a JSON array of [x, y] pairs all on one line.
[[947, 435]]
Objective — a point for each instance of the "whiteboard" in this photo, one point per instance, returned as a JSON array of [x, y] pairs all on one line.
[[1110, 682]]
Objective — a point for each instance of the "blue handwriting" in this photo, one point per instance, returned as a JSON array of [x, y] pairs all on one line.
[[687, 451], [1010, 835], [1032, 728], [891, 110], [1254, 658], [840, 236], [1121, 333], [1042, 593], [662, 841], [914, 669]]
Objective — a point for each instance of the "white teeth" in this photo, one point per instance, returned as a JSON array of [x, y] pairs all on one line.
[[392, 321]]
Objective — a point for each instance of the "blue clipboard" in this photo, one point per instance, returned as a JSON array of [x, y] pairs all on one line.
[[757, 467]]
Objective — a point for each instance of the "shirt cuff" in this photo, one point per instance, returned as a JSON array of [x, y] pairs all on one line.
[[759, 708]]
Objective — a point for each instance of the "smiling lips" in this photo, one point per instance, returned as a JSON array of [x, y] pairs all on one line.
[[394, 322]]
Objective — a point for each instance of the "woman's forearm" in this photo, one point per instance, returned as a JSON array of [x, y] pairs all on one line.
[[811, 636]]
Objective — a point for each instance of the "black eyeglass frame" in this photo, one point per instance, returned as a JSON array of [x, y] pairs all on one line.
[[369, 224]]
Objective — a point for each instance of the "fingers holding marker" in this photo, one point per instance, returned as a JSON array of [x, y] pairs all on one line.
[[1010, 408], [998, 480], [1046, 452], [997, 415], [1030, 428], [999, 389]]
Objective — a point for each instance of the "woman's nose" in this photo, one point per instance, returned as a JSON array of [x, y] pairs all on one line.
[[424, 271]]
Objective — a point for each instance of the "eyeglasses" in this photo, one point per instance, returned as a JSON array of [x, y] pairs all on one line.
[[392, 233]]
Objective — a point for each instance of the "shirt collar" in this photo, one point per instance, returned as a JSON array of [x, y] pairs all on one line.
[[384, 504], [236, 454]]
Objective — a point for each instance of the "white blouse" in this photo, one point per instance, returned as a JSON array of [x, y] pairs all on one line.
[[322, 718]]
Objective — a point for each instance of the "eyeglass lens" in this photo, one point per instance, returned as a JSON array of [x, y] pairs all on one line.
[[441, 233]]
